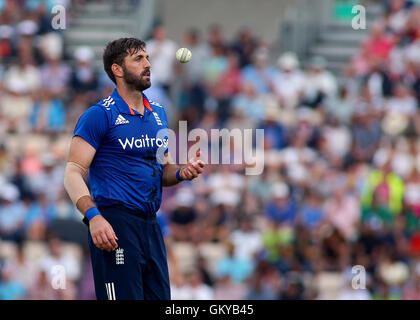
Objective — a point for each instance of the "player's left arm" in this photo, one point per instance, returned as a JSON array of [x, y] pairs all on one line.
[[174, 174]]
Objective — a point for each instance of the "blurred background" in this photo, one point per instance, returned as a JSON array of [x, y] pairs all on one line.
[[340, 110]]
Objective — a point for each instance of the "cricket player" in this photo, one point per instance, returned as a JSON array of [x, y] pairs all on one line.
[[118, 140]]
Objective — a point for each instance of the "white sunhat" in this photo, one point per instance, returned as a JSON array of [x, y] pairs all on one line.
[[280, 190], [27, 28], [288, 61], [83, 54], [52, 45], [9, 192]]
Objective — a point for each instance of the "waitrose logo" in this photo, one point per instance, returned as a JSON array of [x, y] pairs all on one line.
[[143, 142]]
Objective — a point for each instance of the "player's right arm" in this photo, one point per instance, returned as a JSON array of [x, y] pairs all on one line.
[[89, 131], [80, 158]]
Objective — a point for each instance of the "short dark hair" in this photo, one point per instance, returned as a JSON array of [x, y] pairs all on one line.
[[117, 50]]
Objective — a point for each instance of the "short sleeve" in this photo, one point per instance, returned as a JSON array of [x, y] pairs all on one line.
[[92, 126]]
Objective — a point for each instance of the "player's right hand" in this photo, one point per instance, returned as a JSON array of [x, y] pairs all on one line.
[[103, 235]]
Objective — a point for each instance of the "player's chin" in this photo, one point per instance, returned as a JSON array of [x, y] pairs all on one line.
[[147, 82]]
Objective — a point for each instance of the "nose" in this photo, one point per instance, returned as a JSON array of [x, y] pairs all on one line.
[[148, 65]]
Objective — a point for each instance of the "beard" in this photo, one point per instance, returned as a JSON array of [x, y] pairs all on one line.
[[138, 83]]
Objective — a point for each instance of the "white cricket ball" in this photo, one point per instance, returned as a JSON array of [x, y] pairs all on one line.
[[183, 55]]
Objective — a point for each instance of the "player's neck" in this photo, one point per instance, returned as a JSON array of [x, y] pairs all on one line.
[[133, 98]]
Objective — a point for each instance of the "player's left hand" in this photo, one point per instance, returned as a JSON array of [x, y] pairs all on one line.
[[193, 168]]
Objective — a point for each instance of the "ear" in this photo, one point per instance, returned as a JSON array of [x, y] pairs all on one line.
[[117, 70]]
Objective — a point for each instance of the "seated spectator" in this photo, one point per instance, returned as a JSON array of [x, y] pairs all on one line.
[[246, 240], [288, 83], [55, 74], [403, 101], [10, 287], [379, 43], [343, 211], [249, 103], [275, 134], [259, 74], [226, 86], [245, 44], [215, 65], [84, 78], [179, 289], [366, 135], [47, 115], [337, 141], [293, 289], [12, 214], [196, 289], [396, 15], [226, 289], [281, 209], [274, 237], [21, 81], [42, 288], [349, 293], [183, 218], [78, 105], [162, 57], [411, 290], [57, 257], [215, 225], [382, 196], [39, 215], [319, 83], [49, 179], [257, 291], [238, 268], [25, 270], [311, 215]]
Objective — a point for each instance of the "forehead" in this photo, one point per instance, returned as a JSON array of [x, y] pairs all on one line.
[[133, 53]]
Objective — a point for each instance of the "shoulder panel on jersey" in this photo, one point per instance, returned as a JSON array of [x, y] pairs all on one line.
[[155, 103], [107, 103]]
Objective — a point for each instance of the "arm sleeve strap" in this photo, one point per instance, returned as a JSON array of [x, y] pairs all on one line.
[[74, 183]]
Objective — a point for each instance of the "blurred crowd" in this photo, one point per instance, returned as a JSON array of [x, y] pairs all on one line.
[[339, 197]]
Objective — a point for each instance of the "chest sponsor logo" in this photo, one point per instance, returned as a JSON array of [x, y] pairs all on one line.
[[143, 142]]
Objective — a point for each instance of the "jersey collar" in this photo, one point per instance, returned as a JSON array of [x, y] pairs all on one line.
[[123, 107]]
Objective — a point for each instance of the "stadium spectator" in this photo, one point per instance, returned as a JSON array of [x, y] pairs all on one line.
[[161, 51], [10, 287], [260, 74], [196, 289], [288, 82], [238, 268], [12, 213], [84, 78]]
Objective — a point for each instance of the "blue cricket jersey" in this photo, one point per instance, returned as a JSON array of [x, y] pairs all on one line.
[[125, 168]]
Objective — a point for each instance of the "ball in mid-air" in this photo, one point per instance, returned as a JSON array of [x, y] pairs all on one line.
[[183, 55]]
